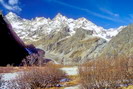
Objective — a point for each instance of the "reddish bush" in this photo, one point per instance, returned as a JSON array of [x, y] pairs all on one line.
[[106, 74], [39, 77]]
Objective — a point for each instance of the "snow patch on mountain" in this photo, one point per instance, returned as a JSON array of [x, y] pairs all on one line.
[[36, 28]]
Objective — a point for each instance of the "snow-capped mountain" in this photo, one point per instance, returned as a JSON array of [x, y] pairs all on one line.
[[65, 40], [34, 29]]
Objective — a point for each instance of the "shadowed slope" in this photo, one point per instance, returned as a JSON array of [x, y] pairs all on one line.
[[12, 47]]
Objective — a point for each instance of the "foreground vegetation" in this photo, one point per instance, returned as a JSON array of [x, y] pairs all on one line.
[[50, 76], [36, 77], [106, 73], [96, 74]]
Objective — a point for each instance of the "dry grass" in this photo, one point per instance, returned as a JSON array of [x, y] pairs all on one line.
[[74, 80], [77, 53], [90, 40], [12, 69], [39, 78], [106, 74], [49, 72]]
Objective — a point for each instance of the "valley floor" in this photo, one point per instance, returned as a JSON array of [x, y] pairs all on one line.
[[71, 71], [9, 73]]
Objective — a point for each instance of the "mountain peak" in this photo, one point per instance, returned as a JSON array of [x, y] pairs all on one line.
[[82, 18], [59, 16], [11, 14], [13, 17], [85, 21]]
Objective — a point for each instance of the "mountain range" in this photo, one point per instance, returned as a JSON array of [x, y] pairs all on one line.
[[66, 40]]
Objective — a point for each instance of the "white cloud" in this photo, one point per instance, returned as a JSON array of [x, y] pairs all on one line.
[[12, 6], [90, 12], [131, 16], [109, 12], [13, 2]]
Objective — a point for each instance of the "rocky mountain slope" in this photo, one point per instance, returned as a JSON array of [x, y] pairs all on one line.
[[121, 45], [64, 39]]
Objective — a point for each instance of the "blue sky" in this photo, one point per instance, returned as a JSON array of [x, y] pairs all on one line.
[[105, 13]]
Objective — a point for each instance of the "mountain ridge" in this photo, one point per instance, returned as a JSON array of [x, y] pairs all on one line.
[[58, 21], [65, 40]]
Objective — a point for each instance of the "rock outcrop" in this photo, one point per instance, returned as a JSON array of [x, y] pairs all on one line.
[[67, 49], [121, 45]]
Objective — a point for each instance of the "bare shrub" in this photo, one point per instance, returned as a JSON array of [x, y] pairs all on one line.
[[106, 74], [39, 77]]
